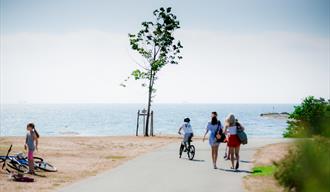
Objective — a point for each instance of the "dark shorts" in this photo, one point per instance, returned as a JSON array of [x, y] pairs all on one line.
[[187, 137]]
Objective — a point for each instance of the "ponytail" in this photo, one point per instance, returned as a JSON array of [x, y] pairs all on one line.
[[36, 132]]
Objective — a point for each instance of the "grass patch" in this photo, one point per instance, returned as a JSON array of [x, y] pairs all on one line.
[[115, 157], [264, 170]]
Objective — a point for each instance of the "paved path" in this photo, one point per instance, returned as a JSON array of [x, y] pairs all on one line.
[[163, 171]]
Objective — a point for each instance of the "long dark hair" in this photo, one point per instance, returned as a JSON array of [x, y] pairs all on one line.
[[34, 129], [214, 119]]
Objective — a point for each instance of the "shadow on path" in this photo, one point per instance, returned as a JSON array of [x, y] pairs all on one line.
[[195, 160], [244, 161], [236, 171]]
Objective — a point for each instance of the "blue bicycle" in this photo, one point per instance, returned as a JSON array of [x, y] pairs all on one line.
[[20, 162]]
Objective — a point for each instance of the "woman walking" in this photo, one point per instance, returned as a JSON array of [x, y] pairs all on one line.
[[213, 127], [234, 143]]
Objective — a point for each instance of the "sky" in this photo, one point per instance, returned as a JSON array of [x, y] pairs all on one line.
[[256, 51]]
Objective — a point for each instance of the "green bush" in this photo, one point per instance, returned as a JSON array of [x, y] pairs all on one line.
[[312, 117], [307, 168]]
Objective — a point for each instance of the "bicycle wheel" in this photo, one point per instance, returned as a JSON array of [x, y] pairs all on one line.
[[19, 167], [2, 162], [39, 163], [191, 152]]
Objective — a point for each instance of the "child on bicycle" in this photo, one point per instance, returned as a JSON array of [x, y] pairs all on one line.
[[188, 134], [31, 143]]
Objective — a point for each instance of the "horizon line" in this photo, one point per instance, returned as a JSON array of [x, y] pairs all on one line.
[[138, 103]]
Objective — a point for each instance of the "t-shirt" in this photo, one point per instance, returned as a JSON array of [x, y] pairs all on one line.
[[187, 128], [232, 130], [30, 140], [213, 130]]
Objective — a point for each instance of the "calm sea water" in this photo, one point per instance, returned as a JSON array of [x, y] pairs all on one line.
[[120, 119]]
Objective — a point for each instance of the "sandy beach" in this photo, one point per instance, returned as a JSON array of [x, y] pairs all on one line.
[[77, 158]]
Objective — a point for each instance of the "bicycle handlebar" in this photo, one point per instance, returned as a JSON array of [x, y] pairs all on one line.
[[4, 163]]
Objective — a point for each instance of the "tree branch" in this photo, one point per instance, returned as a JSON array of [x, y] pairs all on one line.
[[144, 67]]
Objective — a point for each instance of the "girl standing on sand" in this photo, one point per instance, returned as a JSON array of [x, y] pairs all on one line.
[[213, 127], [234, 143], [31, 143]]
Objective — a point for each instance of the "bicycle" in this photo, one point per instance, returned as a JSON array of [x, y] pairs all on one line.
[[20, 162], [190, 149]]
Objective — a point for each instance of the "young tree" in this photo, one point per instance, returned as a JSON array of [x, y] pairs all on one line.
[[157, 46]]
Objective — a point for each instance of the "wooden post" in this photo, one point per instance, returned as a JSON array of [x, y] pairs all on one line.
[[144, 125], [152, 124], [137, 123]]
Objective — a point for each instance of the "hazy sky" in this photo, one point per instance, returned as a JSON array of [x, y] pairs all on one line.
[[255, 51]]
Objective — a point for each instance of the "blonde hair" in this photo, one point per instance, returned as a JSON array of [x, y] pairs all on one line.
[[230, 120]]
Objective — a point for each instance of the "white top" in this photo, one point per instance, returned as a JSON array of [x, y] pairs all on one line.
[[187, 128], [232, 130]]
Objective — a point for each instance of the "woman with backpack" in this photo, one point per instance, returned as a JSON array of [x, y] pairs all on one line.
[[214, 126], [234, 143]]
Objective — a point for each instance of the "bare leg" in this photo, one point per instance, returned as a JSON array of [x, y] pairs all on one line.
[[212, 153], [31, 165], [237, 156], [181, 149], [216, 149], [214, 160], [231, 155]]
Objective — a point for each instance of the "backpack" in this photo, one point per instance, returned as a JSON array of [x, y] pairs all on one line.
[[242, 135]]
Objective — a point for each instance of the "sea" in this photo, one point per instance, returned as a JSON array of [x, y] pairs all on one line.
[[121, 119]]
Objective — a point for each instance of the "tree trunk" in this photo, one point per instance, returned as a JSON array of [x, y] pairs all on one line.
[[149, 105]]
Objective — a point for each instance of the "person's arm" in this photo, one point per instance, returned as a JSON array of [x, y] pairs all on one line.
[[25, 144], [180, 130], [226, 130], [36, 139], [206, 131]]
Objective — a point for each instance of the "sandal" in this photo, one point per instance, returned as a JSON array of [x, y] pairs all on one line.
[[237, 165]]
